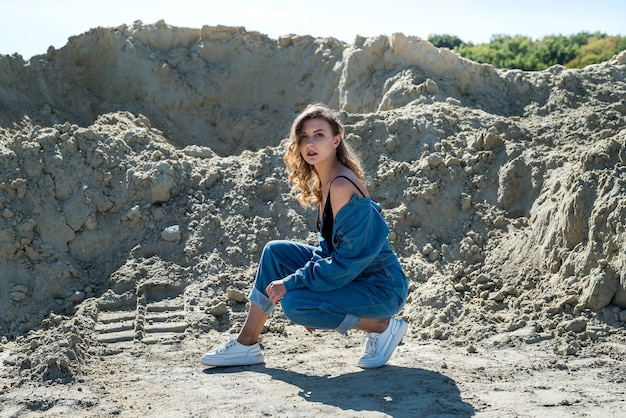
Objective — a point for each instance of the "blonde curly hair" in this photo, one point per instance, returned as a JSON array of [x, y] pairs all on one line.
[[302, 175]]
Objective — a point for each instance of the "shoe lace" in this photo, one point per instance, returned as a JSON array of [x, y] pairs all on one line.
[[231, 341], [371, 342]]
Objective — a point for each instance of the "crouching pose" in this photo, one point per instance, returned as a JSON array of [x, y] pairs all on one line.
[[352, 280]]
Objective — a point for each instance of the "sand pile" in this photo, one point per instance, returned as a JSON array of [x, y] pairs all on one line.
[[141, 175]]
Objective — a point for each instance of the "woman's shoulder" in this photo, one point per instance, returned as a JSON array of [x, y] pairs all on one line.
[[348, 183], [343, 189]]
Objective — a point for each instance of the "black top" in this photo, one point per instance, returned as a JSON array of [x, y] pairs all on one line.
[[325, 226]]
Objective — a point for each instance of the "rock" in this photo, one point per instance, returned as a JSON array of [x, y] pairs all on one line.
[[171, 233], [435, 160], [20, 288], [576, 325], [515, 187], [600, 289], [77, 297], [220, 309], [236, 295], [497, 296], [9, 361], [17, 296], [565, 349], [434, 255]]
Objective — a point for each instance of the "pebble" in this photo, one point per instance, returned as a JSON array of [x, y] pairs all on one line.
[[77, 297], [236, 295], [219, 309], [576, 325], [171, 233], [17, 296]]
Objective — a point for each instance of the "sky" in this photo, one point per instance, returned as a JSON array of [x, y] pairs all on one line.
[[29, 27]]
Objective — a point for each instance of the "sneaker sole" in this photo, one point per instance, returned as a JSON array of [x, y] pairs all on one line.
[[379, 362], [223, 362]]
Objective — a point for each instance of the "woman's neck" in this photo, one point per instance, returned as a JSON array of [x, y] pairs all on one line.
[[326, 172]]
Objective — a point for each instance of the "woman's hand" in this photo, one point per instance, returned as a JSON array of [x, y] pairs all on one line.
[[275, 291]]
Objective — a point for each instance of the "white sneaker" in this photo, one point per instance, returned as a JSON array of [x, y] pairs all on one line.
[[378, 347], [233, 353]]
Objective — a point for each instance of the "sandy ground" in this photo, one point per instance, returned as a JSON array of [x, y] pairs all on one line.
[[311, 375]]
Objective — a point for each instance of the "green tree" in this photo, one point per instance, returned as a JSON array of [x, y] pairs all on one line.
[[521, 52], [554, 50], [596, 50], [503, 51], [445, 41]]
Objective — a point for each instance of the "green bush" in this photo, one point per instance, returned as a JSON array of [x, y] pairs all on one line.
[[522, 52]]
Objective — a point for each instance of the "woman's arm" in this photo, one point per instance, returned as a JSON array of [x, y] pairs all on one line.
[[359, 234]]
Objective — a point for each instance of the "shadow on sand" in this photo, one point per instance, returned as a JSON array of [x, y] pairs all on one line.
[[393, 390]]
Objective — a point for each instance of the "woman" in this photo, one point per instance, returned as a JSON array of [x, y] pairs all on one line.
[[353, 280]]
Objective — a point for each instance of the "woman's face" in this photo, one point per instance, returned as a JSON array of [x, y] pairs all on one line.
[[317, 142]]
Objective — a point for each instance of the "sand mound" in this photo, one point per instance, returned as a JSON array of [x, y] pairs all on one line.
[[141, 175]]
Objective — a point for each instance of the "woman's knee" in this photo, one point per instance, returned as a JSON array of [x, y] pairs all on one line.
[[291, 307], [274, 247]]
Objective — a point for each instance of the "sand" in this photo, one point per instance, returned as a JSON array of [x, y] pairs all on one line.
[[142, 174]]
